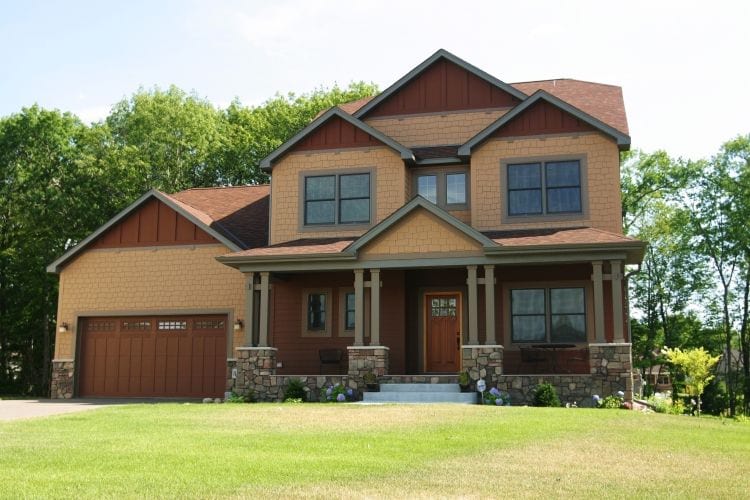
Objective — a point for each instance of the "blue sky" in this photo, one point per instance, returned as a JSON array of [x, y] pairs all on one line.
[[683, 65]]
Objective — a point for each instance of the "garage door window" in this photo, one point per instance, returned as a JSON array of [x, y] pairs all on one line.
[[136, 325], [209, 324], [101, 326], [172, 325]]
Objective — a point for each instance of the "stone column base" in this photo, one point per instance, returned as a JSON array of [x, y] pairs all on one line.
[[63, 372], [612, 368], [482, 362], [255, 366], [365, 359]]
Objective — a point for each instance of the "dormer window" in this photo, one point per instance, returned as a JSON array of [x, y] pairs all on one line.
[[446, 188], [337, 199]]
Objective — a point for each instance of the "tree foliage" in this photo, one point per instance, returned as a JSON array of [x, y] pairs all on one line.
[[61, 179]]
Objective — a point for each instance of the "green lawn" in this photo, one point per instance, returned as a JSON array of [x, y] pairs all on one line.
[[193, 450]]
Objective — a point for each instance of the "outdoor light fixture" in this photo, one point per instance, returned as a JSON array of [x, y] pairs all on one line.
[[62, 328], [238, 324]]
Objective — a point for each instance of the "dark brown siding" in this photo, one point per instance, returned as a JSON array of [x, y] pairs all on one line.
[[542, 118], [154, 223], [144, 361], [336, 134], [298, 354], [444, 87]]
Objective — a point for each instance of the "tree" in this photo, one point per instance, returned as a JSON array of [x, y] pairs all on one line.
[[697, 364]]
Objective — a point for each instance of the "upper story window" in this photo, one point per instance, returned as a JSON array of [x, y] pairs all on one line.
[[447, 189], [551, 187], [337, 199]]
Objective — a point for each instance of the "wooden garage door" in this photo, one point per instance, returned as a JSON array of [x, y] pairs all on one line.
[[160, 356]]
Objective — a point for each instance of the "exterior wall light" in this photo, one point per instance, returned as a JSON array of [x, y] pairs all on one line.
[[63, 328], [238, 324]]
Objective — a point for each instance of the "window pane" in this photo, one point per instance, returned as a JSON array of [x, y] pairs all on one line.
[[319, 212], [525, 202], [355, 210], [316, 311], [527, 301], [349, 311], [456, 188], [563, 200], [320, 188], [567, 300], [427, 187], [563, 173], [528, 328], [354, 186], [524, 176], [568, 328]]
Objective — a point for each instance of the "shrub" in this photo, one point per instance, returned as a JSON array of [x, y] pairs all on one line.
[[664, 404], [545, 395], [497, 397], [337, 394], [293, 400], [610, 402], [295, 389], [237, 398], [463, 378]]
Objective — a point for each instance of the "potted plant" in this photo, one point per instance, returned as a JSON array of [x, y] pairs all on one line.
[[464, 381], [371, 381]]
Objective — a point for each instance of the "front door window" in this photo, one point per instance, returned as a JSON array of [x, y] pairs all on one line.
[[442, 333]]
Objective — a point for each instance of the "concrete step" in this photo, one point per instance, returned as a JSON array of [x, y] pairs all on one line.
[[420, 388], [420, 397]]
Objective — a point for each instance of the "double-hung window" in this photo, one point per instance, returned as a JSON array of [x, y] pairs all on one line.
[[337, 199], [552, 187], [548, 315]]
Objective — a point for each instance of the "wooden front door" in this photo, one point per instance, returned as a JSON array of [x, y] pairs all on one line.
[[442, 332]]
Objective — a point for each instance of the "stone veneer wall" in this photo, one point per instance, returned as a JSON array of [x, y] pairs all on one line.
[[62, 385], [256, 373], [483, 362]]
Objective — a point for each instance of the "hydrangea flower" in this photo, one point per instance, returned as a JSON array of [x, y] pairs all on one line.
[[494, 391], [349, 392], [596, 398], [620, 394], [329, 391], [499, 402], [340, 398]]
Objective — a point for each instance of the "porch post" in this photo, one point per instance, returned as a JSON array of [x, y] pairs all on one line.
[[597, 278], [617, 306], [359, 303], [263, 327], [489, 304], [249, 304], [472, 284], [374, 306]]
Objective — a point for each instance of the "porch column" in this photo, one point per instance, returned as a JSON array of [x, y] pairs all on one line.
[[374, 306], [249, 305], [263, 327], [489, 303], [617, 306], [472, 284], [597, 278], [359, 316]]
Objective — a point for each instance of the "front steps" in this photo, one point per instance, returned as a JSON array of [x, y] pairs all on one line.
[[420, 393]]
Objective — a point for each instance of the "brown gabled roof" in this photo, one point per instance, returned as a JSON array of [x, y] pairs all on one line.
[[557, 236], [349, 108], [240, 211], [430, 152], [305, 246], [602, 101]]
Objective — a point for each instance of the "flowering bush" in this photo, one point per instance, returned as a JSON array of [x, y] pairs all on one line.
[[614, 401], [496, 397], [337, 393]]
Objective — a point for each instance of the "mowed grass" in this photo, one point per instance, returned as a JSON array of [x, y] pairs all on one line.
[[343, 451]]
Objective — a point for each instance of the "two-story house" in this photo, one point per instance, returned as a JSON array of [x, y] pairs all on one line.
[[452, 223]]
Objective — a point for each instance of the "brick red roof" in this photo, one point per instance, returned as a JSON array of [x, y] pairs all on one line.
[[557, 236], [240, 211], [602, 101], [304, 246]]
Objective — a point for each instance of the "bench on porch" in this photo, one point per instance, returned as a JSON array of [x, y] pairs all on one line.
[[331, 359]]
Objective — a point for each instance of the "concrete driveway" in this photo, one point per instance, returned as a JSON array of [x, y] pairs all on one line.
[[16, 409]]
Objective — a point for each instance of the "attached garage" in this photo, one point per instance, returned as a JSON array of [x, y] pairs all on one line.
[[153, 356]]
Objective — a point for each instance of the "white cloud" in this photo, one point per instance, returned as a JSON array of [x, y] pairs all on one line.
[[93, 113]]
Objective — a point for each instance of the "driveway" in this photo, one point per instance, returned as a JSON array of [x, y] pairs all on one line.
[[16, 409]]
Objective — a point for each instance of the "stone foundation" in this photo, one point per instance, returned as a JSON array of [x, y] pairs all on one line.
[[62, 386], [483, 362], [366, 359], [612, 368]]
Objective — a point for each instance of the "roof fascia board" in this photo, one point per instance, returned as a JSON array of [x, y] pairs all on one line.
[[266, 163], [423, 66], [623, 140], [415, 202], [55, 267]]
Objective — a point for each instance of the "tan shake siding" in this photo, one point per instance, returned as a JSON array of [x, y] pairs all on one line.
[[146, 279], [420, 233], [435, 129], [603, 172], [390, 175]]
